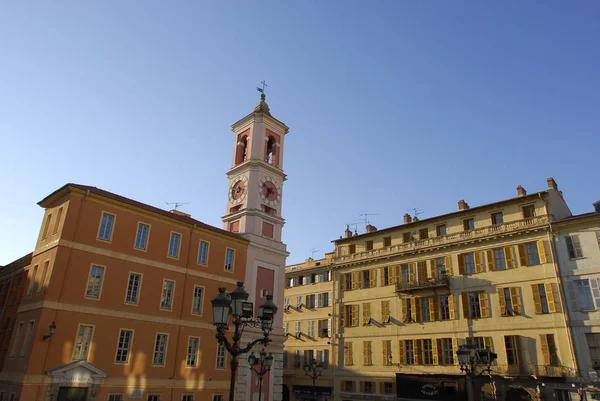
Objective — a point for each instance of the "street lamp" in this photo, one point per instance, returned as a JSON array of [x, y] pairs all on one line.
[[263, 363], [235, 308], [51, 330], [313, 370], [468, 359]]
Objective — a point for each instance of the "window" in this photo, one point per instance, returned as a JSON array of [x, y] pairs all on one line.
[[221, 357], [323, 357], [562, 395], [369, 245], [94, 282], [386, 346], [229, 259], [106, 226], [115, 397], [285, 359], [385, 312], [574, 246], [367, 353], [469, 259], [387, 241], [174, 245], [82, 342], [388, 388], [533, 257], [309, 355], [198, 300], [192, 352], [468, 224], [16, 340], [409, 353], [584, 293], [160, 349], [440, 230], [511, 343], [423, 233], [153, 397], [348, 357], [348, 282], [474, 307], [141, 238], [322, 299], [549, 350], [27, 341], [124, 346], [366, 314], [297, 358], [440, 268], [427, 351], [32, 280], [311, 329], [351, 249], [405, 273], [425, 309], [446, 305], [497, 218], [349, 316], [46, 226], [446, 351], [368, 279], [166, 301], [309, 301], [298, 327], [324, 327], [218, 397], [543, 298], [203, 253], [475, 304], [406, 237], [43, 278], [367, 387], [528, 211], [348, 386], [593, 341], [510, 303], [499, 261], [133, 288], [57, 222], [187, 397]]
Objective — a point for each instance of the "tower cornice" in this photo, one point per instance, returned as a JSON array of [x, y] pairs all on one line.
[[255, 117], [255, 164]]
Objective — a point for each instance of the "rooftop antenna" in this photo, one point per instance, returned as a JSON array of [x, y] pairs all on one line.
[[177, 204], [366, 217], [313, 251], [353, 224], [416, 211], [262, 90]]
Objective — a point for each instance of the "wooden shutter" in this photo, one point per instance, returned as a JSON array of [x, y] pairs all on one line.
[[415, 310], [405, 310], [365, 355], [454, 349], [435, 347], [385, 351], [537, 301], [382, 276], [491, 261], [411, 272], [448, 266], [418, 351], [343, 316], [342, 282], [319, 328], [517, 344], [577, 246], [594, 284], [328, 327], [366, 313], [402, 353], [508, 255], [523, 260], [515, 299], [541, 246], [434, 307], [483, 304], [382, 384], [422, 271], [359, 280], [353, 280], [465, 304], [397, 274], [487, 343], [545, 349], [550, 297], [373, 278], [354, 315], [451, 307], [461, 264], [433, 268], [478, 263], [502, 300]]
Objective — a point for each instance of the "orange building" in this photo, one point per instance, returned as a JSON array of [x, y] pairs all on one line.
[[126, 288]]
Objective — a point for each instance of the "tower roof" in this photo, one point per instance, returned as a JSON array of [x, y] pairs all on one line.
[[262, 106]]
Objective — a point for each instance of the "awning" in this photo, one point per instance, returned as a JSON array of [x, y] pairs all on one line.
[[309, 390]]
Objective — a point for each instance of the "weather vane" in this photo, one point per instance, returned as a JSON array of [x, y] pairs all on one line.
[[262, 90]]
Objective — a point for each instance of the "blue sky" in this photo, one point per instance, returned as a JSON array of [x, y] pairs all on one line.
[[392, 105]]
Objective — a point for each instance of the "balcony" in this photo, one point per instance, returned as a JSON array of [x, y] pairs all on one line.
[[450, 239], [529, 369], [429, 283]]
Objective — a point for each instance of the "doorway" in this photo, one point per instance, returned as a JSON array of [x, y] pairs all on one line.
[[72, 394]]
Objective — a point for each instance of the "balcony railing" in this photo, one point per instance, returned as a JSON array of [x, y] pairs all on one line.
[[478, 233], [533, 370], [422, 284]]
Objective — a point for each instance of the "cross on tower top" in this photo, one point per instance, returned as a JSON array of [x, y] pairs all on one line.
[[262, 90]]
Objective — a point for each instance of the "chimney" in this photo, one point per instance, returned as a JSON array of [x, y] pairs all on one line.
[[415, 219], [371, 228], [462, 205], [406, 218], [597, 207], [521, 191], [347, 233], [179, 213], [551, 183]]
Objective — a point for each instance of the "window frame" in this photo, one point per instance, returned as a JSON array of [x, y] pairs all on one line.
[[439, 228], [89, 348], [165, 351], [232, 263], [193, 312], [27, 339], [42, 284], [126, 362], [196, 354], [112, 227], [160, 305], [198, 262], [147, 239], [495, 216], [171, 235], [225, 352], [139, 289], [101, 285]]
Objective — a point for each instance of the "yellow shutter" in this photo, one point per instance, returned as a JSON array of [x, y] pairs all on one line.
[[350, 354], [413, 309], [478, 262], [515, 299], [454, 349], [487, 342], [411, 272], [545, 349], [418, 347], [359, 278], [537, 301], [365, 354], [354, 315], [451, 306], [382, 276], [402, 354], [508, 255], [397, 275], [522, 255], [432, 268], [405, 310], [550, 297], [434, 307], [517, 343], [491, 261], [422, 271], [465, 304], [502, 299], [343, 316], [342, 282], [385, 346], [366, 313], [541, 245], [461, 264], [483, 304], [449, 266], [434, 347], [354, 280], [372, 278]]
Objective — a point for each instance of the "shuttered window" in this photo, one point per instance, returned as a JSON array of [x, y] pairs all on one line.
[[511, 344], [510, 302], [574, 246], [543, 298], [348, 357], [367, 353], [385, 312], [386, 346], [549, 350]]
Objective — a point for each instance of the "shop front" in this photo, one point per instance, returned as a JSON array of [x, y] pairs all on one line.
[[430, 387]]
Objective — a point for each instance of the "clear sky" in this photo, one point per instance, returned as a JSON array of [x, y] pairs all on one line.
[[391, 105]]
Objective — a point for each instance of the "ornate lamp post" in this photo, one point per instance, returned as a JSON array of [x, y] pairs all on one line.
[[468, 359], [263, 363], [313, 370], [234, 306]]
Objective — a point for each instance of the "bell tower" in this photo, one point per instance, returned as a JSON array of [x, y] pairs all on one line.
[[254, 210]]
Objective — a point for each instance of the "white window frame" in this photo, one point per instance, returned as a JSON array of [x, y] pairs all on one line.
[[123, 349], [191, 358], [221, 362], [200, 254], [229, 259], [142, 239], [92, 295], [157, 353], [166, 298], [133, 300], [102, 234], [197, 306], [171, 249]]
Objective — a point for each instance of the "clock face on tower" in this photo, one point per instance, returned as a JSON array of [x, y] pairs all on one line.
[[238, 190], [270, 191]]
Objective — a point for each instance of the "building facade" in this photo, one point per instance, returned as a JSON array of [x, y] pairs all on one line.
[[308, 326], [127, 288]]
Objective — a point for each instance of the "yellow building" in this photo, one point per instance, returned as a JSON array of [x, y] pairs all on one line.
[[408, 296], [308, 326]]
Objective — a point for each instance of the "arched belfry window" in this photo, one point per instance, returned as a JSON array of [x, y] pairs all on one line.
[[241, 149], [271, 150]]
